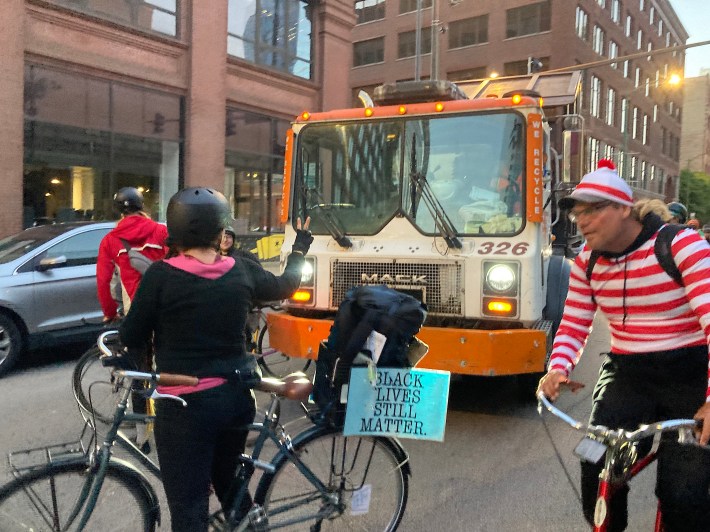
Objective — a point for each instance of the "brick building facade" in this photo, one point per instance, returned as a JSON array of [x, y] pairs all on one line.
[[100, 94], [632, 113]]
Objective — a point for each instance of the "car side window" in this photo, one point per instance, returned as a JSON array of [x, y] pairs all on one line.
[[79, 250]]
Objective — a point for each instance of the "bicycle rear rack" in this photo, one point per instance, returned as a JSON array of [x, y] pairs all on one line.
[[37, 457]]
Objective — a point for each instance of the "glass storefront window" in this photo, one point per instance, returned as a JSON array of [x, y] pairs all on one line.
[[254, 172], [272, 33], [155, 16], [86, 138]]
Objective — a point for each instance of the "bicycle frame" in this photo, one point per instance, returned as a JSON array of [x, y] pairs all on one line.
[[610, 483], [100, 457], [618, 469], [249, 463]]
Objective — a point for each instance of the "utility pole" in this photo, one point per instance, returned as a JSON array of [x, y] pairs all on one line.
[[435, 23], [418, 44]]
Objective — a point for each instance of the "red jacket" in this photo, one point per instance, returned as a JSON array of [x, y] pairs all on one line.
[[141, 233]]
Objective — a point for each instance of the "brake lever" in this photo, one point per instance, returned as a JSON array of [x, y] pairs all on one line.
[[157, 395]]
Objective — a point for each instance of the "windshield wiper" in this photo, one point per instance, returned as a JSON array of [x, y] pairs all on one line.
[[331, 222], [422, 190]]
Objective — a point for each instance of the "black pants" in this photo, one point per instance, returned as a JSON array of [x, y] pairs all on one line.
[[636, 389], [198, 445]]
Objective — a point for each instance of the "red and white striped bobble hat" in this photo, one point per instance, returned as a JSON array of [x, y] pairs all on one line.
[[603, 184]]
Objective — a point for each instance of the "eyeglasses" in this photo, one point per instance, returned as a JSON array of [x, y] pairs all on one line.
[[593, 209]]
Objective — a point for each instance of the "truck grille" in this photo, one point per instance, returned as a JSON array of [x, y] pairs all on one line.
[[438, 284]]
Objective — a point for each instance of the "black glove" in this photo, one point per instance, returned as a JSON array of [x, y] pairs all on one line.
[[303, 241]]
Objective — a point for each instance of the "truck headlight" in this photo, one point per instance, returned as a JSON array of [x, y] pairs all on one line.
[[500, 278], [307, 272]]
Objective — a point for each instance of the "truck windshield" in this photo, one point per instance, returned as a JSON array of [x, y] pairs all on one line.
[[354, 177]]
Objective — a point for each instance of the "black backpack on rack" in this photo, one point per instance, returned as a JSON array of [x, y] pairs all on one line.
[[379, 308]]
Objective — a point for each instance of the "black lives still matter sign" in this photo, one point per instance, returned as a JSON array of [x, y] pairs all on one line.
[[405, 403]]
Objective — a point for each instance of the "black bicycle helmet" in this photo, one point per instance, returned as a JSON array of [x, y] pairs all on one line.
[[678, 211], [128, 199], [196, 216]]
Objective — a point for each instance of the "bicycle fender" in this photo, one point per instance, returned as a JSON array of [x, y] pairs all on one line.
[[141, 480]]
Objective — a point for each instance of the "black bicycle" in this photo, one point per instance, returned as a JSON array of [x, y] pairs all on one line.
[[319, 479]]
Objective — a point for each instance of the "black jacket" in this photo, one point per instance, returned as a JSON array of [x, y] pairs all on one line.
[[198, 323]]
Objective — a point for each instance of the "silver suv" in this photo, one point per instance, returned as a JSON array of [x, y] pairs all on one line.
[[48, 287]]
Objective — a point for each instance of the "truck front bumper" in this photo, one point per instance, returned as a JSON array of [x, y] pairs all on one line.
[[460, 351]]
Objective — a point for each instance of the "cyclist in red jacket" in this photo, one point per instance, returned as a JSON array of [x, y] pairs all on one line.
[[139, 232]]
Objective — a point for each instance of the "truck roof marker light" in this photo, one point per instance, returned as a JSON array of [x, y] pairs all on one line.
[[369, 111], [402, 110], [517, 99], [305, 115], [439, 107], [301, 296]]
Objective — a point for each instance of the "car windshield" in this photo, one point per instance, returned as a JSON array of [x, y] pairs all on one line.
[[355, 177], [15, 246]]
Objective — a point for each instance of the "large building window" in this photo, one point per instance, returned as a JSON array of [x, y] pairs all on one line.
[[156, 16], [272, 33], [86, 137], [469, 73], [407, 43], [254, 162], [595, 96], [368, 52], [468, 31], [616, 11], [369, 10], [519, 68], [581, 24], [598, 40], [610, 106], [407, 6], [613, 53], [526, 20]]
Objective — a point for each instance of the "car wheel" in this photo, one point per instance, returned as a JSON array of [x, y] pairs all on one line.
[[10, 343]]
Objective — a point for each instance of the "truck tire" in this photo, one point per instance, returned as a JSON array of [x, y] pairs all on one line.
[[557, 286], [11, 343]]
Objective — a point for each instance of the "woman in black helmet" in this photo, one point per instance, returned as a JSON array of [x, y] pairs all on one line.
[[195, 305]]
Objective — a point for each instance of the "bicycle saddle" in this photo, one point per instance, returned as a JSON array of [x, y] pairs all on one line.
[[296, 386]]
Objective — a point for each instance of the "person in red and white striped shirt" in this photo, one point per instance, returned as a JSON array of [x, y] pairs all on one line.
[[657, 367]]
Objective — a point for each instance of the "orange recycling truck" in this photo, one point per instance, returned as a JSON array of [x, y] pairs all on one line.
[[444, 192]]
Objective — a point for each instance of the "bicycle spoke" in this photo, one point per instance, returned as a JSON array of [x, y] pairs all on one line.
[[365, 487]]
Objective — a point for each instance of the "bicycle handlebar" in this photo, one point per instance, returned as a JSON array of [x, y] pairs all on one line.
[[609, 435], [296, 386]]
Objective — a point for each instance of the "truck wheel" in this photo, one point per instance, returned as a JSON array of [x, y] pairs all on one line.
[[527, 386], [11, 343]]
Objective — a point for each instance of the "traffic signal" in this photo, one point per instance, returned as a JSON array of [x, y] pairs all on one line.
[[231, 125], [158, 123]]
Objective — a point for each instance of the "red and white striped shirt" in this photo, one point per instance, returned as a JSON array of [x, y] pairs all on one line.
[[646, 309]]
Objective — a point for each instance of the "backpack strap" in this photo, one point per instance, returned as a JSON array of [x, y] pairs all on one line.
[[358, 336], [664, 253], [590, 266], [125, 243]]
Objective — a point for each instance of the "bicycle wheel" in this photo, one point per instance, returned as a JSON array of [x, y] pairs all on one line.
[[364, 475], [47, 499], [274, 362], [95, 389]]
